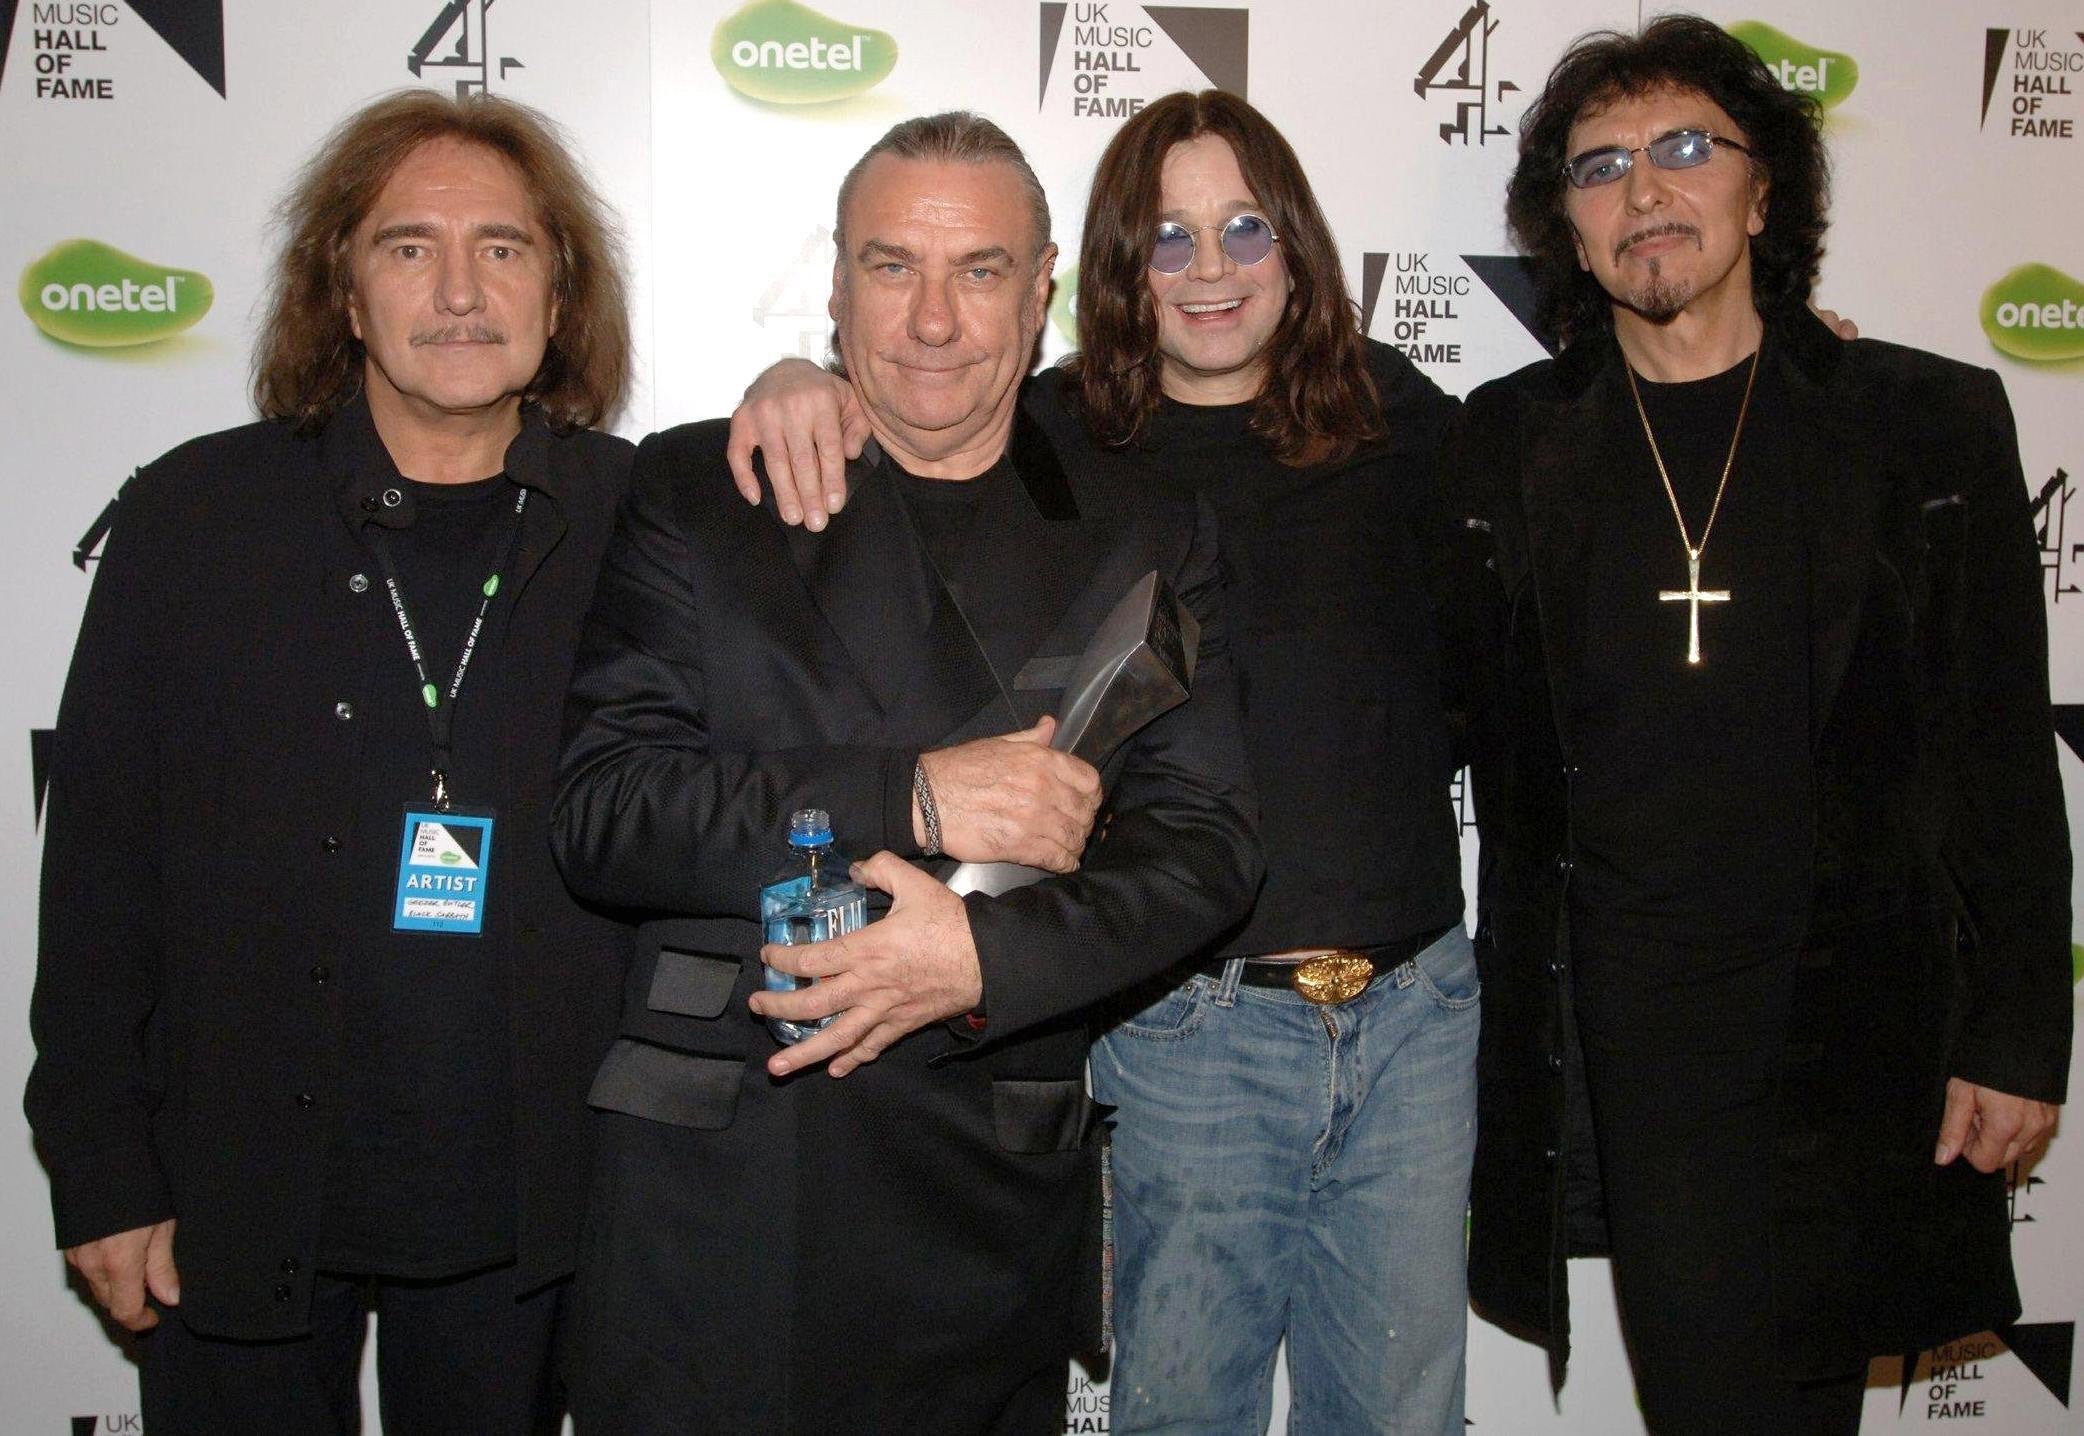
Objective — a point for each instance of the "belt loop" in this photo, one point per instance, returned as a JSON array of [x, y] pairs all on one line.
[[1226, 986]]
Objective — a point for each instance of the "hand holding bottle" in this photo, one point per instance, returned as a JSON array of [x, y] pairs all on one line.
[[915, 967]]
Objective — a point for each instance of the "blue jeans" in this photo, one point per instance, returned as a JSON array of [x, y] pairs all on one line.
[[1287, 1169]]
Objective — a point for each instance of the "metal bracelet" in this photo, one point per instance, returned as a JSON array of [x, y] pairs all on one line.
[[929, 816]]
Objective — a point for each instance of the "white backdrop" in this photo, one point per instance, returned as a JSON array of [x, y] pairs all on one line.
[[165, 130]]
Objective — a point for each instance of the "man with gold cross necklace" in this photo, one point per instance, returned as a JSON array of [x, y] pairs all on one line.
[[1775, 912]]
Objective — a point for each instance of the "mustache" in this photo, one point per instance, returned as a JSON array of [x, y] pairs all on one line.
[[460, 333], [1655, 231]]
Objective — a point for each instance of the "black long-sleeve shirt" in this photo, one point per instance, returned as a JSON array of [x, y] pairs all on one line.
[[1338, 661]]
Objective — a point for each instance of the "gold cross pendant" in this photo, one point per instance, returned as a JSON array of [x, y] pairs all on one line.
[[1694, 596]]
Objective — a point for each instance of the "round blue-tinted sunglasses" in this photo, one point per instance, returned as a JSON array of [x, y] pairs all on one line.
[[1245, 238]]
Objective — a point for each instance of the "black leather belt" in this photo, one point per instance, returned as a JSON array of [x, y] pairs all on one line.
[[1335, 976]]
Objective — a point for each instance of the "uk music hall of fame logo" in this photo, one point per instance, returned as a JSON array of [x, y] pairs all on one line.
[[2040, 84], [1460, 71], [1950, 1378], [1428, 300], [82, 51], [457, 47], [1119, 54]]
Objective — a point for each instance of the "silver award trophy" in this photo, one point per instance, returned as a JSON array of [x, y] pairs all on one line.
[[1139, 664]]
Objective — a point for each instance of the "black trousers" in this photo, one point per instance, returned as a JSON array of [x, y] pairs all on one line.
[[1682, 1054], [458, 1355]]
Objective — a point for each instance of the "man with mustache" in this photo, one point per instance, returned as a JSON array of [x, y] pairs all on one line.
[[1775, 890], [909, 1240], [314, 1013]]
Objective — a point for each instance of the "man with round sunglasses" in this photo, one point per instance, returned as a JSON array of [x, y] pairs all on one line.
[[1243, 238], [1294, 1112], [1775, 888]]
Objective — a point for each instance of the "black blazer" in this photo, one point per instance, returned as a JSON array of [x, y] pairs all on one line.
[[735, 670], [1938, 925], [183, 1007]]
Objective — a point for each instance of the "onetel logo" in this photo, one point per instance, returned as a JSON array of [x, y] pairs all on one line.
[[789, 54], [94, 295], [2036, 312], [1824, 74]]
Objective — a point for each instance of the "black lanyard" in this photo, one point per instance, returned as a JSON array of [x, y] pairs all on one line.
[[441, 706]]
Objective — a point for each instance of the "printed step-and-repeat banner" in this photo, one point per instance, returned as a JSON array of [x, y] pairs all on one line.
[[143, 144]]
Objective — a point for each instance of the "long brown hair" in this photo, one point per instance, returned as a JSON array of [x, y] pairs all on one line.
[[309, 363], [1319, 402]]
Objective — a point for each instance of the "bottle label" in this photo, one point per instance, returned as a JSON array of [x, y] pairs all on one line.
[[794, 914]]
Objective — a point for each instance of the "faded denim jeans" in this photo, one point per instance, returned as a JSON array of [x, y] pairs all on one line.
[[1287, 1169]]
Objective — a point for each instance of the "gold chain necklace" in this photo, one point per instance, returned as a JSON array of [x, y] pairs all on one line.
[[1693, 595]]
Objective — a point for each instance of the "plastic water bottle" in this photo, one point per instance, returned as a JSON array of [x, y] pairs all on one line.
[[810, 900]]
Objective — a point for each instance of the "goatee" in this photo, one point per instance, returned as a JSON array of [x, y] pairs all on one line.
[[1658, 299]]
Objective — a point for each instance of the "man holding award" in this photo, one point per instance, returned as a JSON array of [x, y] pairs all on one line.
[[914, 1247]]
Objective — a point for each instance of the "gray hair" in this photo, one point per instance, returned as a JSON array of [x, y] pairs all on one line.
[[952, 137]]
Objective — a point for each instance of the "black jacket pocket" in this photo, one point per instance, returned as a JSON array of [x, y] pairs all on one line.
[[661, 1085], [691, 984]]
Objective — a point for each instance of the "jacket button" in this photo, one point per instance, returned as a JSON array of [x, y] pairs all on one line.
[[358, 583], [392, 498], [282, 1292], [289, 1266], [1564, 866], [1549, 1156], [369, 505], [1555, 1062], [321, 974], [1553, 967], [330, 843], [344, 711], [305, 1099]]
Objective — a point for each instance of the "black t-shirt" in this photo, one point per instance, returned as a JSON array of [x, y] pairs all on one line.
[[420, 1168], [1331, 628], [944, 509], [1692, 808]]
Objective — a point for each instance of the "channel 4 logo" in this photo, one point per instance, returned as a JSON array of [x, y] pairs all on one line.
[[1460, 70], [457, 47]]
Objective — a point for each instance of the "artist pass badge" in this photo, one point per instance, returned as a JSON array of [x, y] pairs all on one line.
[[442, 870]]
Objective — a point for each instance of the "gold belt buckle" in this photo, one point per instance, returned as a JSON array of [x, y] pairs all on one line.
[[1333, 977]]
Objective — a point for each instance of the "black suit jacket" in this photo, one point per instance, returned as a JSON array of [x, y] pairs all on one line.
[[1937, 940], [735, 670], [186, 1014]]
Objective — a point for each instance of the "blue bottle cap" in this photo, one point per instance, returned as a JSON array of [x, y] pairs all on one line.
[[810, 828]]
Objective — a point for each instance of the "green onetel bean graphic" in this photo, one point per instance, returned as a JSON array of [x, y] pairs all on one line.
[[1825, 74], [94, 295], [430, 695], [789, 54], [2036, 312]]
